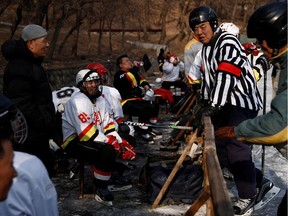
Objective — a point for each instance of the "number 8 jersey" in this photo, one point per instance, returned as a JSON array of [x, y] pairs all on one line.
[[86, 120]]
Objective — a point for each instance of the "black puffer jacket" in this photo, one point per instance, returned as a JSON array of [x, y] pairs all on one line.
[[26, 83]]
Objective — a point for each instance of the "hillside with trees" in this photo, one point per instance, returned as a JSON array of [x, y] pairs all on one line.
[[91, 29]]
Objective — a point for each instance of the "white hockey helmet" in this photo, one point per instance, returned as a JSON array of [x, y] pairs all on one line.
[[86, 75], [231, 28]]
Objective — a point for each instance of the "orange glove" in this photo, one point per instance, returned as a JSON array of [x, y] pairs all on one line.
[[114, 142], [128, 152], [224, 132]]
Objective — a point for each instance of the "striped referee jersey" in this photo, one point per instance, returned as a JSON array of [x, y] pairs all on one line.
[[227, 74]]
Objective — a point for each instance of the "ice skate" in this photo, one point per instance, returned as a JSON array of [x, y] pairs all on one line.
[[104, 196], [227, 174], [116, 187], [155, 133], [145, 136], [243, 207], [265, 193]]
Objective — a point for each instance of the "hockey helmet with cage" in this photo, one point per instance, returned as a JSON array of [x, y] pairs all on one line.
[[231, 28], [269, 22], [203, 14], [86, 75], [101, 70], [12, 121]]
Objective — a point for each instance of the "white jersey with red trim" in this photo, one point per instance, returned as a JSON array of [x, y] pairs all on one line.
[[114, 99], [83, 118]]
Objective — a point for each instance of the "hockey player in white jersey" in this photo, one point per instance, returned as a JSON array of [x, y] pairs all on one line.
[[89, 132], [114, 98], [111, 94]]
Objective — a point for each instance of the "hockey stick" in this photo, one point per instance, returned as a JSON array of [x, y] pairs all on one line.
[[137, 124], [264, 112]]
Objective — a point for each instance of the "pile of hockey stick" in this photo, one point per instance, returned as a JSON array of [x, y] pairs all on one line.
[[172, 126]]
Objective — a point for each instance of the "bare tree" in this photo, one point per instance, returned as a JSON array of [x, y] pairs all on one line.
[[65, 12], [41, 12], [18, 18], [162, 21], [4, 6]]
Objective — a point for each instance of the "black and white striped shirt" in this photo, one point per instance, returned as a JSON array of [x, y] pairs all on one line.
[[227, 74]]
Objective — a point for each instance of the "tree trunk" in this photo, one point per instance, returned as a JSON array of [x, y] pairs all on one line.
[[18, 18], [101, 27], [41, 11], [234, 11], [59, 24], [77, 24], [4, 6], [162, 22], [70, 32], [146, 20]]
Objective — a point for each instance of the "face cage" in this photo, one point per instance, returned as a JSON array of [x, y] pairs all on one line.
[[20, 128], [90, 78]]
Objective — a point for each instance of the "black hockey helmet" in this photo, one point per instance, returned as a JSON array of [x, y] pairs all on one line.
[[12, 121], [203, 14], [269, 22]]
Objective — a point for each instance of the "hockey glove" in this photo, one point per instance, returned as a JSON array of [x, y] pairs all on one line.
[[202, 111], [264, 62], [224, 132], [53, 145], [114, 142], [197, 109], [209, 111], [127, 151], [149, 95], [138, 91]]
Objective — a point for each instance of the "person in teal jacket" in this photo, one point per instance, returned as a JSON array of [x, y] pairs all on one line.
[[270, 128]]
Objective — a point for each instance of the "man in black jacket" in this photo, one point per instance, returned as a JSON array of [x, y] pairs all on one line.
[[26, 83]]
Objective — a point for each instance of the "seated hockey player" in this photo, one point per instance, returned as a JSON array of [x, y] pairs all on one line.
[[89, 132], [114, 98], [137, 95]]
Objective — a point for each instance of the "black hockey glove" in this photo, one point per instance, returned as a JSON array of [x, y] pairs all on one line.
[[197, 108], [209, 111], [264, 62], [138, 91]]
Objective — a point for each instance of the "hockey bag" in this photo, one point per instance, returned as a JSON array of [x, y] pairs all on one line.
[[185, 187]]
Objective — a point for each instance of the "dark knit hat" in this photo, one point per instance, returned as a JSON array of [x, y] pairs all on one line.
[[32, 31]]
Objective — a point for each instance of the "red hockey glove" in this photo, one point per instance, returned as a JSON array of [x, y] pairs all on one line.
[[114, 142], [128, 152], [224, 132]]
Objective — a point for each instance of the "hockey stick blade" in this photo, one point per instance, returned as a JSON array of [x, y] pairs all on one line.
[[119, 187], [179, 127], [247, 213], [106, 203]]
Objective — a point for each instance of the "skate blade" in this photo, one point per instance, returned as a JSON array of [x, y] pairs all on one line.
[[119, 187], [157, 137], [247, 213], [107, 203], [267, 198]]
